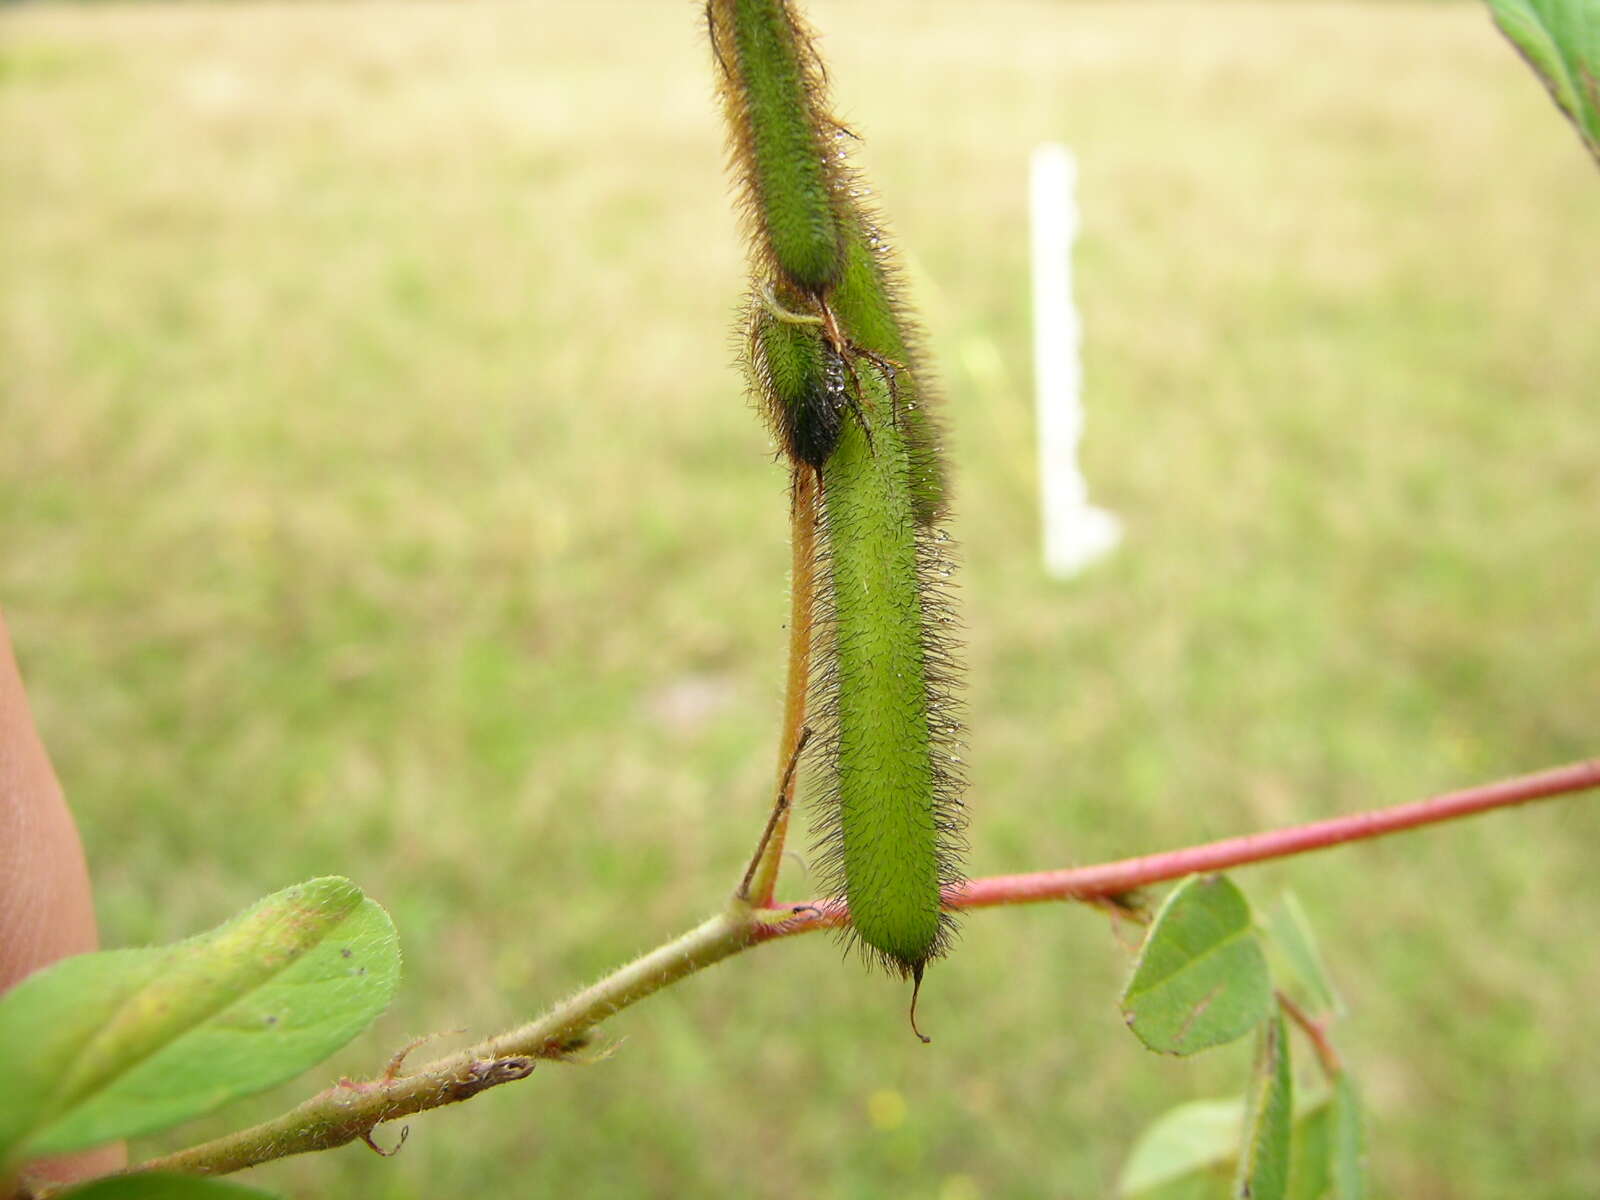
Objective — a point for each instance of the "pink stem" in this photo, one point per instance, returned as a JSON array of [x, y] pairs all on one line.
[[1125, 875]]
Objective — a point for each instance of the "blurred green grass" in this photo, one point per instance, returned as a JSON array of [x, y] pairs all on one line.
[[376, 497]]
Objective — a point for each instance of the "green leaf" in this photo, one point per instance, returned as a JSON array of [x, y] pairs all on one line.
[[162, 1187], [1561, 41], [108, 1045], [1346, 1146], [1302, 961], [1309, 1171], [1201, 979], [1263, 1172], [1190, 1152], [1185, 1152]]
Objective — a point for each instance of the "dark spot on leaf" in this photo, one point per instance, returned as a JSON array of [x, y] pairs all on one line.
[[345, 953], [361, 970], [272, 1020]]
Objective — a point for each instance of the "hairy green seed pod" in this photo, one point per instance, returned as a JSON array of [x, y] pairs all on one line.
[[868, 307], [779, 138], [882, 677], [834, 363]]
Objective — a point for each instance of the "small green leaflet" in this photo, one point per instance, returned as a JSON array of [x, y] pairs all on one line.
[[1308, 1170], [109, 1045], [1290, 934], [1561, 41], [1188, 1151], [1201, 979], [162, 1187], [1327, 1148], [1347, 1152], [1263, 1172]]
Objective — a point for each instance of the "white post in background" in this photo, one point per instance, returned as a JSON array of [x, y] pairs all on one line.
[[1075, 532]]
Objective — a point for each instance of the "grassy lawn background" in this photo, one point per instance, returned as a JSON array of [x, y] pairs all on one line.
[[377, 497]]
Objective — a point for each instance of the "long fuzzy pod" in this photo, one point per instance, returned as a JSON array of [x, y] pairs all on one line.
[[779, 139], [891, 829], [835, 365]]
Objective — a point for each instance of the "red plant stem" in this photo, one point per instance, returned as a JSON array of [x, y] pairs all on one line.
[[1125, 875], [1316, 1032]]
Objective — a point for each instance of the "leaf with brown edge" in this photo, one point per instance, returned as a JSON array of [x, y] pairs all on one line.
[[1560, 39]]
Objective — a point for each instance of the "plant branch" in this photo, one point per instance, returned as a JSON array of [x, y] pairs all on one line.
[[348, 1111], [1114, 879], [1316, 1033]]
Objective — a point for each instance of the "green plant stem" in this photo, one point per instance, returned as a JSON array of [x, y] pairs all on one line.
[[349, 1110]]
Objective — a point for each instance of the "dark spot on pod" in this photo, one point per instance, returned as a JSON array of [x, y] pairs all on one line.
[[804, 381], [816, 416]]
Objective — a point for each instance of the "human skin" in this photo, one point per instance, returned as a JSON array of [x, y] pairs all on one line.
[[46, 910]]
